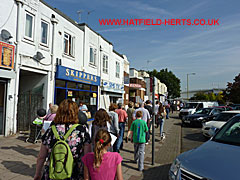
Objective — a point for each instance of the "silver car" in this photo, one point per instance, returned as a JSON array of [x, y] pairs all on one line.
[[217, 159]]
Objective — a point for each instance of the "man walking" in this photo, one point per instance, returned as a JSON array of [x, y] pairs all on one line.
[[122, 118]]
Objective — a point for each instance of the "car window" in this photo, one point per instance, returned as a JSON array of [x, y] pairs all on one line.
[[230, 133], [203, 111], [224, 116], [190, 105]]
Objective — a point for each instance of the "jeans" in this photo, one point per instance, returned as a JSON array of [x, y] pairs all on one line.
[[161, 123], [139, 149], [167, 112], [121, 134]]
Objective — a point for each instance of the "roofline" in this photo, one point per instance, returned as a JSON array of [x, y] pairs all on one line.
[[118, 53], [85, 24], [61, 14]]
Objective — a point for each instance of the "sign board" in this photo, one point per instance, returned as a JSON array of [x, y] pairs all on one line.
[[6, 55], [135, 85], [69, 74], [114, 87]]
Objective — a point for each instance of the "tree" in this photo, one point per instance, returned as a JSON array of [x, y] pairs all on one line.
[[200, 96], [232, 93], [170, 80]]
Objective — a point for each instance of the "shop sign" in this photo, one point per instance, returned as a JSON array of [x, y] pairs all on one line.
[[69, 74], [6, 55], [126, 80], [135, 85], [113, 86]]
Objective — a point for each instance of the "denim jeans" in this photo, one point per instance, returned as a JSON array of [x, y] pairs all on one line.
[[139, 149], [161, 123], [121, 134], [167, 113]]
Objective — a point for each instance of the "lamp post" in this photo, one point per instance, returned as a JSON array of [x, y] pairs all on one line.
[[187, 82]]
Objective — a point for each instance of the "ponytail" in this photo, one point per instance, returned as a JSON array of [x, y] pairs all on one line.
[[102, 139]]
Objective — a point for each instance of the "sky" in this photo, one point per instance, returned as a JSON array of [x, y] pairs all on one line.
[[211, 52]]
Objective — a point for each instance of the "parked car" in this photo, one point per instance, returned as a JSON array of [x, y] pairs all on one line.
[[235, 106], [192, 107], [218, 122], [226, 108], [205, 114], [217, 159]]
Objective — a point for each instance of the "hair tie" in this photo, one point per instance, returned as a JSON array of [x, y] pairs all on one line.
[[101, 141]]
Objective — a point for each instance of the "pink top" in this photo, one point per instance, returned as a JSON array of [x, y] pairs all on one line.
[[122, 115], [108, 167]]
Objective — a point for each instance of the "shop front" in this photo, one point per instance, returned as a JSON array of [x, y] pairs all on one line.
[[7, 81], [78, 86], [113, 91]]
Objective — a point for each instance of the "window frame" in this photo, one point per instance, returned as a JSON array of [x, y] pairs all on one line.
[[71, 45], [94, 56], [33, 26], [48, 33], [117, 73], [105, 64]]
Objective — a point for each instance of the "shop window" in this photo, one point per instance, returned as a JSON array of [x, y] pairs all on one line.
[[94, 88], [69, 43], [117, 69], [105, 63], [60, 94], [60, 83], [72, 85], [84, 87], [93, 56], [44, 33], [29, 26]]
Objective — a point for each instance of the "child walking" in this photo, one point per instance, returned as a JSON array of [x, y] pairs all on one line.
[[100, 164], [138, 132]]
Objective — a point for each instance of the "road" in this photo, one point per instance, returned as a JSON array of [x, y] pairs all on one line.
[[191, 138]]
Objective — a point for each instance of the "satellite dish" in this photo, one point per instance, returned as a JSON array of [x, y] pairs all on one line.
[[39, 56], [5, 35]]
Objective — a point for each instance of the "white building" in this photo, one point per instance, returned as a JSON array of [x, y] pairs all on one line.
[[47, 42]]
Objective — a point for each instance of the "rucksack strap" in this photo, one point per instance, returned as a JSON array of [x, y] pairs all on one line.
[[54, 129]]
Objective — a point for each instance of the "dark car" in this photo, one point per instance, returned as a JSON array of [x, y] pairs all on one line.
[[235, 106], [202, 115]]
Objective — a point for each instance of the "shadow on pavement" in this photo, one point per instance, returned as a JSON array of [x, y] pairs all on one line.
[[195, 137], [127, 166], [23, 150], [160, 172], [19, 167]]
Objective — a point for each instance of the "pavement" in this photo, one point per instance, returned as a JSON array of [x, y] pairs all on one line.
[[18, 158]]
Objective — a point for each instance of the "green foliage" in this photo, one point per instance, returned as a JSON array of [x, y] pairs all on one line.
[[209, 97], [232, 93], [170, 80]]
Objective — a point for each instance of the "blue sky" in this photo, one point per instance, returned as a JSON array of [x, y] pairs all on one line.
[[212, 52]]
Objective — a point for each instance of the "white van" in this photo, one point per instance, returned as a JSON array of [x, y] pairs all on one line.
[[192, 107]]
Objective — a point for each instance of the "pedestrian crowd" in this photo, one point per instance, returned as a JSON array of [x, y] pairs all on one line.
[[73, 149]]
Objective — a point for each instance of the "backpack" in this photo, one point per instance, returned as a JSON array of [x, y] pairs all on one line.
[[61, 158]]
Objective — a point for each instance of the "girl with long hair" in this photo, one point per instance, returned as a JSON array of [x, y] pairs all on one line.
[[161, 115], [101, 164]]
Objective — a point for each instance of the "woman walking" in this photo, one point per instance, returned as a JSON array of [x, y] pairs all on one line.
[[102, 165], [78, 140], [161, 115]]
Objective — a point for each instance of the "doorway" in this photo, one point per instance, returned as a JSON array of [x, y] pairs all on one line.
[[3, 89]]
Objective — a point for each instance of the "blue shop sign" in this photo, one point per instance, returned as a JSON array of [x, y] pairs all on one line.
[[69, 74], [114, 87]]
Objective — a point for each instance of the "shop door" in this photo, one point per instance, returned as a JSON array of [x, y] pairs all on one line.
[[28, 104], [2, 106]]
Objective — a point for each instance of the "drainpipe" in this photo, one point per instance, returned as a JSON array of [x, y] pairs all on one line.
[[100, 68], [54, 22], [16, 67]]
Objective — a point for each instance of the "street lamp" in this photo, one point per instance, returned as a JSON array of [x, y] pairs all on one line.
[[187, 82]]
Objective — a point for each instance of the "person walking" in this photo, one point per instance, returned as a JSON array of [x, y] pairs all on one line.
[[138, 132], [101, 164], [122, 118], [130, 112], [149, 107], [114, 128], [101, 121], [156, 112], [145, 116], [65, 122], [167, 108], [160, 119]]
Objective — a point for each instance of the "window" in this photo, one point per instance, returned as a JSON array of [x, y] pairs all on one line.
[[29, 24], [117, 69], [44, 33], [93, 55], [105, 63], [69, 44]]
